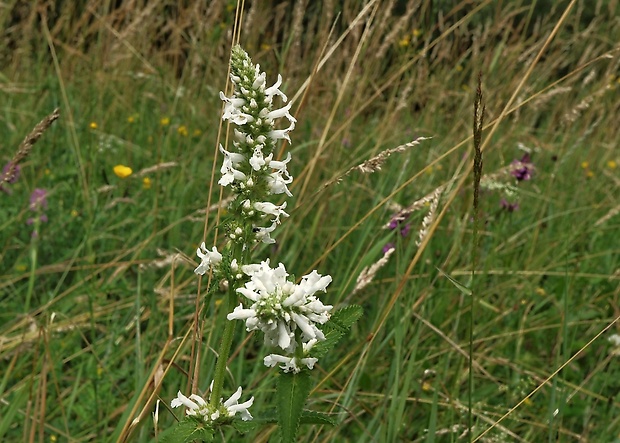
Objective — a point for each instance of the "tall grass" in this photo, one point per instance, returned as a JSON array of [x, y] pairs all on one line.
[[109, 329]]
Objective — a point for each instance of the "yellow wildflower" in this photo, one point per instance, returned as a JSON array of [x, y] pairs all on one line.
[[585, 165], [590, 174], [611, 164], [182, 130], [404, 42], [146, 183], [93, 125], [197, 133], [74, 213], [165, 121], [417, 32], [131, 119], [122, 171]]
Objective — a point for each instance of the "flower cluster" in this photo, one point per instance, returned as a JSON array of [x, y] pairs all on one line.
[[38, 204], [198, 407], [287, 313], [250, 169], [522, 169], [398, 225]]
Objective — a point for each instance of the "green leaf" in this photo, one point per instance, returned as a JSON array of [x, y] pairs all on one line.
[[337, 326], [332, 337], [186, 431], [464, 289], [291, 393], [344, 318], [316, 418], [244, 426]]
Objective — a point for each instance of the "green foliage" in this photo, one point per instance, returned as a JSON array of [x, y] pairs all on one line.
[[291, 393], [336, 328], [188, 430]]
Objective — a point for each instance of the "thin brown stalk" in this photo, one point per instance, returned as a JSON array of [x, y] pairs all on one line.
[[26, 146]]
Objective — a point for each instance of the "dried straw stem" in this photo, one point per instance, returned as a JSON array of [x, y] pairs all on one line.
[[26, 146]]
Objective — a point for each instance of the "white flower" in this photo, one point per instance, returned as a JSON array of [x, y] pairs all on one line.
[[271, 209], [257, 161], [278, 134], [208, 258], [274, 90], [198, 407], [233, 406], [278, 179], [614, 339], [233, 110], [288, 364], [280, 307], [262, 234], [229, 173]]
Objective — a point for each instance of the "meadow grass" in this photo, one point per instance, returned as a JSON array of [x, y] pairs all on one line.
[[109, 325]]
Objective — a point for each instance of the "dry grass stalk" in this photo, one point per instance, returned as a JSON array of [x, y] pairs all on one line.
[[403, 214], [155, 168], [369, 272], [26, 146], [430, 216], [612, 213], [374, 164]]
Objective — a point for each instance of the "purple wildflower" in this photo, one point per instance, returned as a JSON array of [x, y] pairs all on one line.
[[38, 203], [405, 230], [38, 199], [510, 207], [388, 246], [522, 168]]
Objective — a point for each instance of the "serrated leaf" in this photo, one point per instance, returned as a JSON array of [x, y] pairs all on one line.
[[316, 418], [187, 431], [291, 393], [464, 289], [244, 426], [332, 337], [345, 317]]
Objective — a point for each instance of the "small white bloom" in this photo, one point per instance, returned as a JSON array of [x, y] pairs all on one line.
[[233, 406], [195, 404], [277, 183], [233, 110], [271, 209], [208, 258], [614, 339], [274, 90], [229, 173], [257, 161], [262, 234], [278, 134], [198, 407], [288, 364]]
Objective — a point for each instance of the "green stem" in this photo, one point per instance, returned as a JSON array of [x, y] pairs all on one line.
[[224, 351], [33, 265]]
